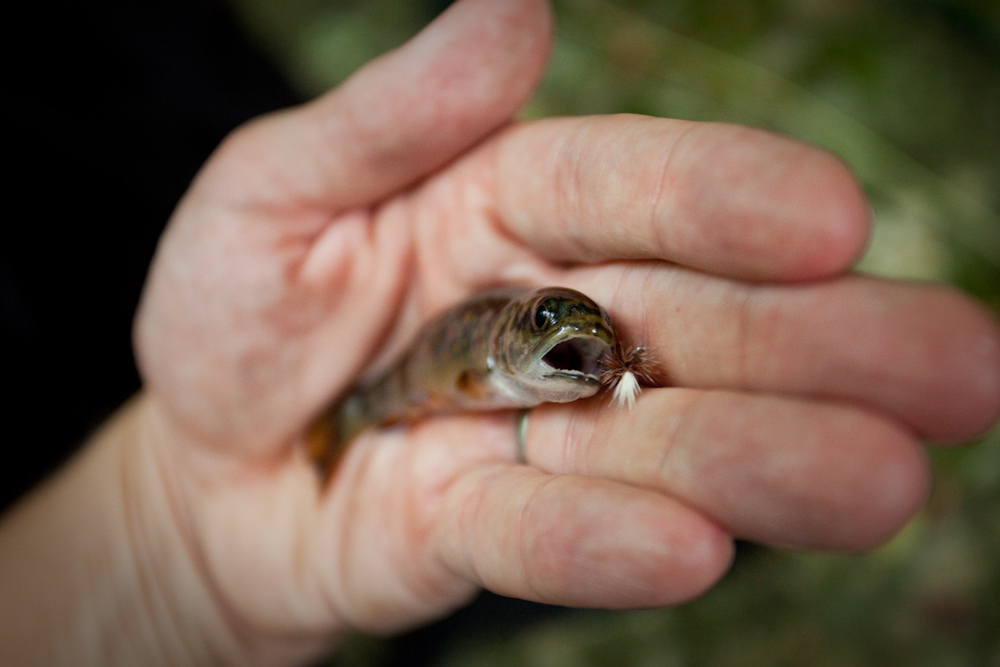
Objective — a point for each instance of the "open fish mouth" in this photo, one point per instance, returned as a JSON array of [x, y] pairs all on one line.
[[578, 358]]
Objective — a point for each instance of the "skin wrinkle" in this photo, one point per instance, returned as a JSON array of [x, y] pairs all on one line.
[[367, 613], [739, 310], [662, 222], [393, 535], [384, 337], [300, 248], [450, 268], [510, 212], [744, 234], [304, 559], [492, 214], [668, 467], [336, 595], [469, 491], [407, 260], [358, 505], [766, 323], [131, 504], [516, 531], [661, 374], [302, 550], [471, 506], [730, 504], [524, 557], [134, 537], [653, 280], [580, 437], [489, 209], [240, 630], [745, 307], [422, 500], [428, 261], [298, 607], [183, 526], [400, 529], [568, 185], [575, 443], [589, 218], [328, 261], [423, 509], [618, 295]]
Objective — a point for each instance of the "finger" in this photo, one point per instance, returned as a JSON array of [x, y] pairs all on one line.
[[401, 116], [927, 354], [720, 198], [773, 470], [577, 541]]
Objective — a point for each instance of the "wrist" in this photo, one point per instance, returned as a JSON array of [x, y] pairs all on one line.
[[168, 479], [98, 567]]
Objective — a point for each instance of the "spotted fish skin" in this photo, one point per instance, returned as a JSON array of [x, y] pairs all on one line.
[[502, 349]]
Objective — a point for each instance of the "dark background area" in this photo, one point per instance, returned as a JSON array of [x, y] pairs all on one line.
[[115, 105]]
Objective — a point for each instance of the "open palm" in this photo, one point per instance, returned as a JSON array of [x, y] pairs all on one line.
[[316, 241]]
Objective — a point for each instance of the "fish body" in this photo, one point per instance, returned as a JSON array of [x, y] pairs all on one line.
[[503, 349]]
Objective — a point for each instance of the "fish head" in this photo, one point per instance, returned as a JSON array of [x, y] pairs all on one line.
[[551, 344]]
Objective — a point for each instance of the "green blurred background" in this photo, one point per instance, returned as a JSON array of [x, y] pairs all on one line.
[[908, 93]]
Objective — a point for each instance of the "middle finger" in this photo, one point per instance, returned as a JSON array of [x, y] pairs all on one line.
[[776, 470], [925, 354]]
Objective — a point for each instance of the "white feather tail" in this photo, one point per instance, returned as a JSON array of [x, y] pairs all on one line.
[[623, 371]]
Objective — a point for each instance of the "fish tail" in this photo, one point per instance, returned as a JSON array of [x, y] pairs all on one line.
[[328, 436], [324, 450]]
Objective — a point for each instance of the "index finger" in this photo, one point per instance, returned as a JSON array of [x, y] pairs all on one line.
[[720, 198]]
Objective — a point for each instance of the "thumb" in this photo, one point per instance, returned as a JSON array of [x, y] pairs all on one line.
[[398, 118]]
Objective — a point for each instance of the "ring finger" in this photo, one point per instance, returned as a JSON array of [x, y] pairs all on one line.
[[782, 471]]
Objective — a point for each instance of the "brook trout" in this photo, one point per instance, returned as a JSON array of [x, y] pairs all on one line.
[[508, 348]]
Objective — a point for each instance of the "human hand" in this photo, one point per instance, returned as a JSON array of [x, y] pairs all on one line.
[[315, 242]]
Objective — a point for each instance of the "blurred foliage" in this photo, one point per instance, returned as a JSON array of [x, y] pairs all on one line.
[[908, 93]]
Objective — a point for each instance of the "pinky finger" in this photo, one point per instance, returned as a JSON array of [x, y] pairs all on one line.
[[578, 541]]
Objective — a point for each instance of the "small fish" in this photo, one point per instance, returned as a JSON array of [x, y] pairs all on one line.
[[507, 348]]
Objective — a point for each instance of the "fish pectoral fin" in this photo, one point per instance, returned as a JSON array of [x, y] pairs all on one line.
[[472, 383]]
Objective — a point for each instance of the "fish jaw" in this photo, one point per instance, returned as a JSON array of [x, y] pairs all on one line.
[[563, 368], [549, 347]]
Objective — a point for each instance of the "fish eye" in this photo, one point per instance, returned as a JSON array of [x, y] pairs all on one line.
[[545, 313]]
